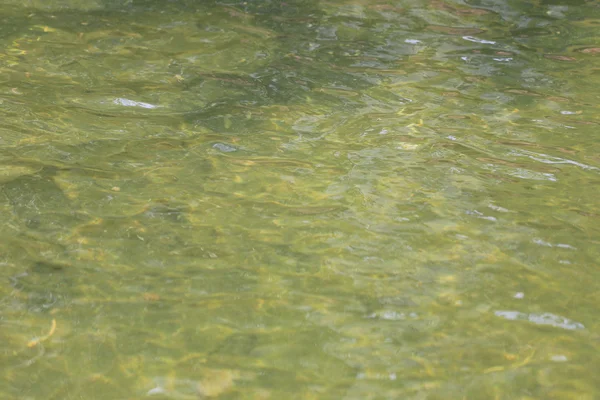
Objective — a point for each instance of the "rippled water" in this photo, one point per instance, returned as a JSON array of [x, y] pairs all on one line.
[[299, 199]]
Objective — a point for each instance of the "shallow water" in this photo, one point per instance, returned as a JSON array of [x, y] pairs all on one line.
[[299, 200]]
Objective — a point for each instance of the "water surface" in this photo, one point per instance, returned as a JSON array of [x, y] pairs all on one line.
[[336, 199]]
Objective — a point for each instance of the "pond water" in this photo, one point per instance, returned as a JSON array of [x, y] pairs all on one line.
[[299, 199]]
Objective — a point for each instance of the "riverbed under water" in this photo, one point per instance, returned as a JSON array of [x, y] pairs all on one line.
[[342, 199]]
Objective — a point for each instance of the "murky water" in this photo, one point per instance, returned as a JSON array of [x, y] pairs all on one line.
[[340, 199]]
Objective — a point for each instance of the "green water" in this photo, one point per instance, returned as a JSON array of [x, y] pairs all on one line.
[[342, 199]]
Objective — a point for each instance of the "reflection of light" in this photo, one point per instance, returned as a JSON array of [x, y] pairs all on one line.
[[541, 319], [548, 244], [131, 103], [476, 40]]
